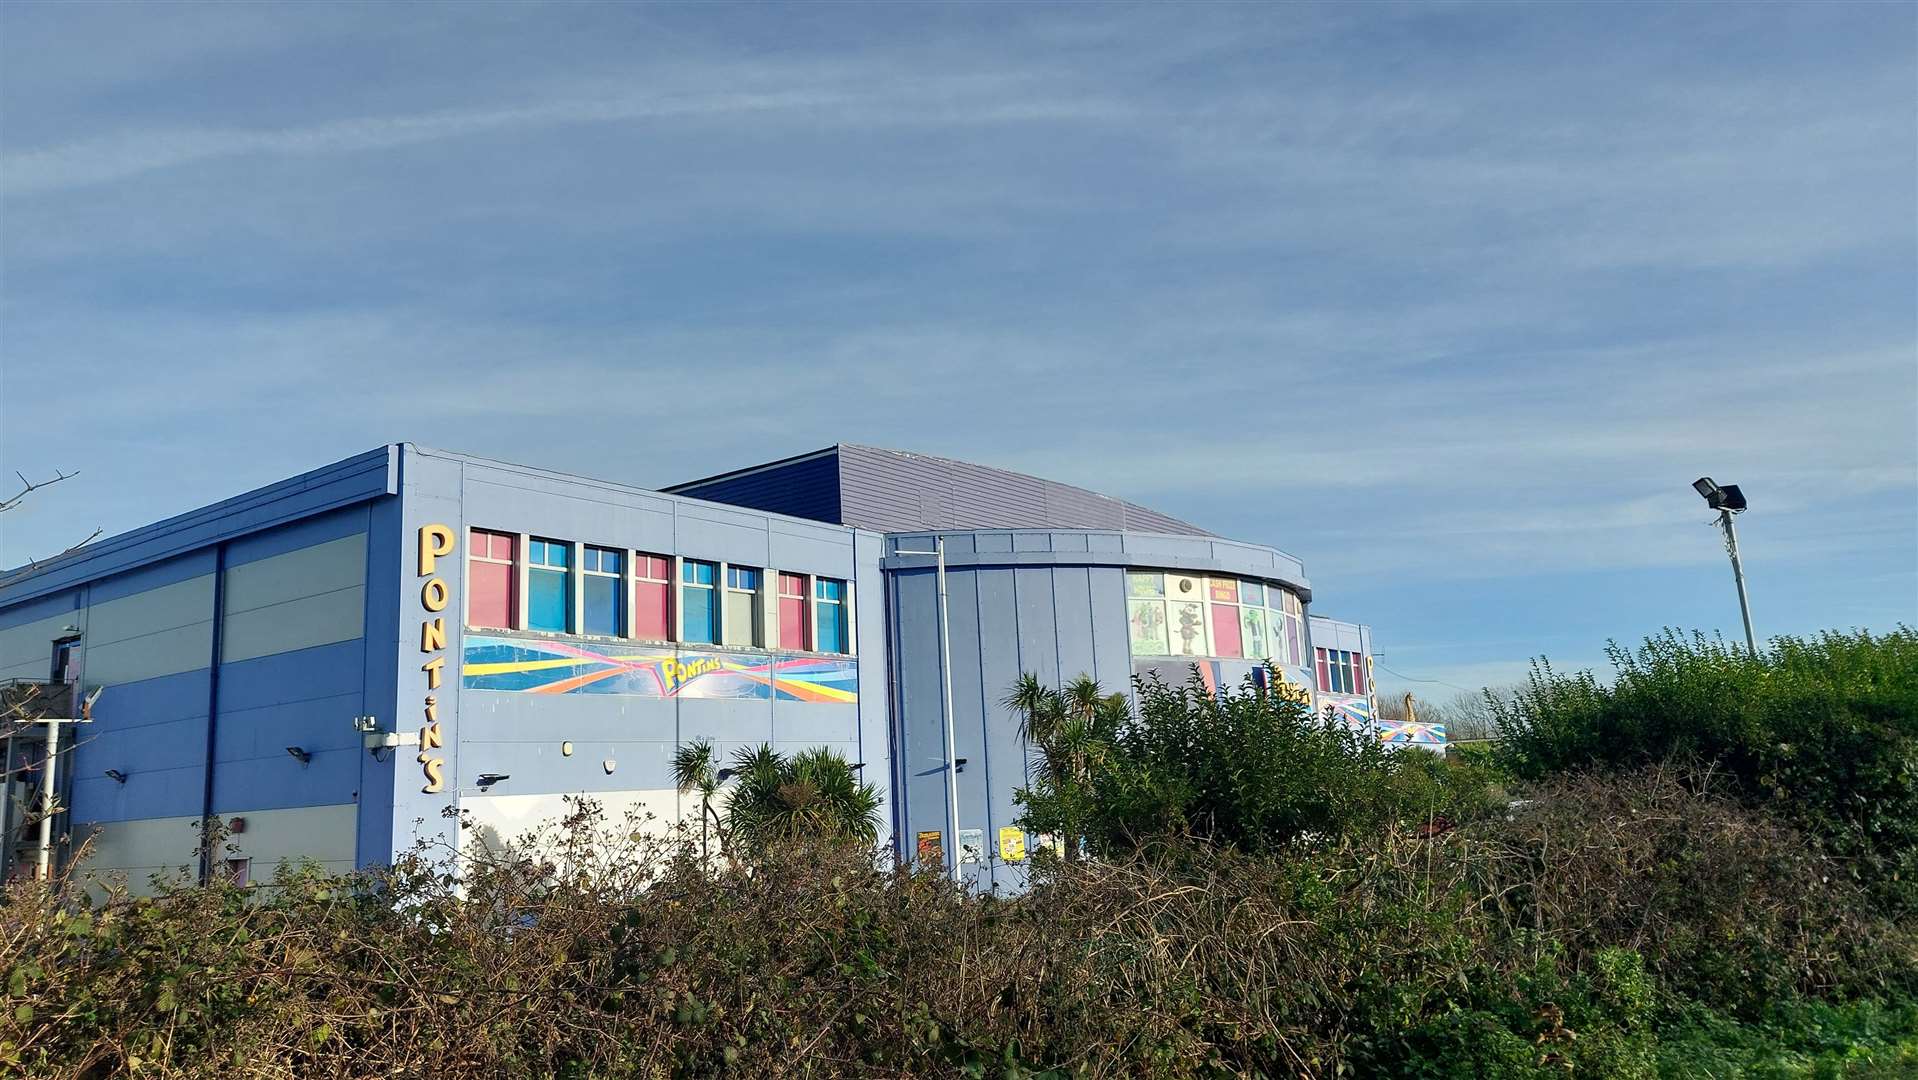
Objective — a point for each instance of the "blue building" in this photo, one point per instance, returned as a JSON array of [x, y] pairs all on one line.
[[356, 660]]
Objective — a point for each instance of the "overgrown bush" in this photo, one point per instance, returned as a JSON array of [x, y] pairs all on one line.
[[1565, 937], [1822, 732]]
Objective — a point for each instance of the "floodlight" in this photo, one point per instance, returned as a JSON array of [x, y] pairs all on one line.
[[116, 776], [300, 754], [1704, 486], [1728, 500], [488, 779]]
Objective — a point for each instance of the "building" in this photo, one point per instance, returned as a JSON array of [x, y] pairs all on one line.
[[345, 664]]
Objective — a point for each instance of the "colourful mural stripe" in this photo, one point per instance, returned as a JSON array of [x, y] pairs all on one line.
[[542, 666]]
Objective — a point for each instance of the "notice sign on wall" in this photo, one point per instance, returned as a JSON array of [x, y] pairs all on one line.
[[1012, 844], [972, 845], [930, 851]]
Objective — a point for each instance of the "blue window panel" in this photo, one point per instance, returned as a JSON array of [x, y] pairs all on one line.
[[603, 614], [740, 577], [828, 589], [548, 553], [698, 608], [696, 573], [830, 632], [549, 599], [602, 560]]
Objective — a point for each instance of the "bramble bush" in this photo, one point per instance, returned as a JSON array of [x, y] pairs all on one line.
[[1559, 938], [1822, 732]]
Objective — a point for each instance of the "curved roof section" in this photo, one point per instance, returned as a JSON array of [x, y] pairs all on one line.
[[883, 490]]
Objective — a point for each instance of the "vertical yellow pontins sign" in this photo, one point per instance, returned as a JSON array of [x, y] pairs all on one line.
[[436, 543]]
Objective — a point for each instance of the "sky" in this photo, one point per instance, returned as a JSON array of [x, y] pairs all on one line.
[[1451, 301]]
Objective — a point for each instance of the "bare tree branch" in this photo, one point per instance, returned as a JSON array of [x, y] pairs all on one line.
[[28, 487]]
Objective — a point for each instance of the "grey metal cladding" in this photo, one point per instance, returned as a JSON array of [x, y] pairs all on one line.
[[893, 491]]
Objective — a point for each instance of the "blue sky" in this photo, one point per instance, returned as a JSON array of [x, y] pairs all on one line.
[[1451, 301]]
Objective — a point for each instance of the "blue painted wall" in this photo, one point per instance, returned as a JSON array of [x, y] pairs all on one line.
[[1048, 602]]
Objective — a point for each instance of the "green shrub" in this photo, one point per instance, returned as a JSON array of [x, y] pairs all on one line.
[[1248, 768], [1821, 731]]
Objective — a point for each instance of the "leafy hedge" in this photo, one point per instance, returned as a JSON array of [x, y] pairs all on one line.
[[1822, 732], [1584, 932]]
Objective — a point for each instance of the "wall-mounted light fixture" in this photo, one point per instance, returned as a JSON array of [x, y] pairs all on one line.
[[958, 765], [116, 776], [488, 779], [300, 754]]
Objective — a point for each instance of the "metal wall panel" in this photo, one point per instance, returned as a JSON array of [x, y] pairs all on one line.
[[805, 487], [297, 600], [26, 648], [140, 849]]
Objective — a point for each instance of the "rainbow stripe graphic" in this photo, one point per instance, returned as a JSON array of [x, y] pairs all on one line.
[[540, 666], [1412, 734]]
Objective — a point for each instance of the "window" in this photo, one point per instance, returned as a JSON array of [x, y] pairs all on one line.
[[549, 586], [1185, 615], [794, 628], [492, 584], [741, 625], [698, 604], [652, 597], [602, 587], [1285, 618], [1340, 672], [829, 615], [1226, 637], [1145, 612]]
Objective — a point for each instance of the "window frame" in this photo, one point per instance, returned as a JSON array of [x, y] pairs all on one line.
[[755, 606], [841, 608], [511, 562], [590, 558], [569, 589], [686, 566], [804, 596], [635, 576]]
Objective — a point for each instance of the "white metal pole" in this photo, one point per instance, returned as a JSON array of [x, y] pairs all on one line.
[[1738, 575], [45, 858], [945, 670]]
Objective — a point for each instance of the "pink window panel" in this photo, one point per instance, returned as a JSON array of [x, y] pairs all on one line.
[[1358, 673], [655, 567], [792, 623], [652, 610], [1225, 631], [492, 594], [1325, 681]]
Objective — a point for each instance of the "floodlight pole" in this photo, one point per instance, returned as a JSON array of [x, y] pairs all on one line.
[[1738, 575]]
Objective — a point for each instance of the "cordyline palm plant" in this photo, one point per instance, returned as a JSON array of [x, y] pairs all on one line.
[[809, 797], [1073, 730], [693, 771]]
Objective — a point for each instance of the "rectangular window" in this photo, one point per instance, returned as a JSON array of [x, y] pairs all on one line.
[[492, 580], [794, 627], [1252, 632], [1147, 618], [829, 615], [1225, 630], [549, 586], [741, 625], [1358, 673], [1285, 619], [1324, 671], [698, 601], [652, 597], [1145, 585], [1252, 594], [602, 583]]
